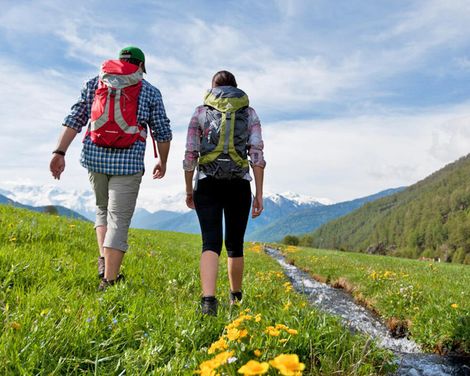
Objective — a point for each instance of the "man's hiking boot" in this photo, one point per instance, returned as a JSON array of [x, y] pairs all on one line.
[[104, 284], [209, 305], [100, 267], [235, 297]]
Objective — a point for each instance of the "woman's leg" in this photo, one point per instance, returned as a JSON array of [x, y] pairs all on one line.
[[236, 210], [209, 266], [209, 212]]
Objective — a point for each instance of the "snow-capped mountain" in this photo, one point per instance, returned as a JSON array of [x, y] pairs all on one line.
[[81, 201], [298, 199]]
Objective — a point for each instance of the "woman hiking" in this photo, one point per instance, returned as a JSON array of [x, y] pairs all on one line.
[[222, 133]]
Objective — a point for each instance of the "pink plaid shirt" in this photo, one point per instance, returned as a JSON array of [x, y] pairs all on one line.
[[195, 129]]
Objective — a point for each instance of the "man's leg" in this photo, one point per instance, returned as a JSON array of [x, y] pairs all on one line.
[[99, 183], [123, 191], [100, 234]]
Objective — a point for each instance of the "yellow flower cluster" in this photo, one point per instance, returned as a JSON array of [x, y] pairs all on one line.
[[235, 332], [219, 345], [288, 364], [208, 367], [382, 276], [288, 286], [275, 331], [254, 368], [291, 249], [256, 248]]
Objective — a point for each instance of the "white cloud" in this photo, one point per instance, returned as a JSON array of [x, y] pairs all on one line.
[[347, 158]]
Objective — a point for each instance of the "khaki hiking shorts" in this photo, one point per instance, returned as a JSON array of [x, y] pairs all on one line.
[[116, 196]]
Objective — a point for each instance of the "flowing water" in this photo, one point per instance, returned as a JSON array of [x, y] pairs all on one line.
[[412, 361]]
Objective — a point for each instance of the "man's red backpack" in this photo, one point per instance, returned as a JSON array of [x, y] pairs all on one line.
[[114, 120]]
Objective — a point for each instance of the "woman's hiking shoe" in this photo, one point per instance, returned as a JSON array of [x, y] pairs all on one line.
[[235, 297], [104, 284], [209, 305], [100, 267]]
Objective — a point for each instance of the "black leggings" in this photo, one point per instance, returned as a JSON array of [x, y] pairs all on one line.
[[230, 197]]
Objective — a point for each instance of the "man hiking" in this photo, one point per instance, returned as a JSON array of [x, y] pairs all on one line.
[[119, 107]]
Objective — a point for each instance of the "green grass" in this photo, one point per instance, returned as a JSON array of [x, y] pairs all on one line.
[[55, 322], [431, 299]]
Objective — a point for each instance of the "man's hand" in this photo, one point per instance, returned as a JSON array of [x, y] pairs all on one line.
[[159, 170], [257, 207], [57, 165]]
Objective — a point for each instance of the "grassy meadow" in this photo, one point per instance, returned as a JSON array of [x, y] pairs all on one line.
[[55, 322], [429, 301]]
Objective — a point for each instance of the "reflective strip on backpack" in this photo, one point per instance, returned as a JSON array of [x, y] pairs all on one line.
[[98, 123], [118, 117]]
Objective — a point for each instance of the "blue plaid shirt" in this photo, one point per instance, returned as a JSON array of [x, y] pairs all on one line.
[[150, 112]]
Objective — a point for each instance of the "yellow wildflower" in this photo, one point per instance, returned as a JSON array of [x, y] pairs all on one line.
[[282, 326], [257, 353], [272, 331], [254, 368], [44, 312], [292, 331], [234, 333], [287, 306], [222, 357], [206, 371], [219, 345], [15, 325], [284, 340], [258, 317], [454, 305], [288, 364], [207, 367]]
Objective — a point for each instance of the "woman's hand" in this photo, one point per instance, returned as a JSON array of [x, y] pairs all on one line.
[[257, 207], [189, 200]]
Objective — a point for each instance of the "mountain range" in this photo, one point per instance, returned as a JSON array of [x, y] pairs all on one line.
[[283, 214], [50, 209], [429, 219]]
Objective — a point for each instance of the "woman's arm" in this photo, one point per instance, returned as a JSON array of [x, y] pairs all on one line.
[[255, 150], [257, 208], [191, 155], [188, 177]]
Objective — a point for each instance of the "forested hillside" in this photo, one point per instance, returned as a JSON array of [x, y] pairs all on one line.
[[429, 219]]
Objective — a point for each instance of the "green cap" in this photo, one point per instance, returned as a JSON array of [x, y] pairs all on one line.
[[132, 52]]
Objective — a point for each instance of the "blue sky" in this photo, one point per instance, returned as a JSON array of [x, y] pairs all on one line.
[[354, 96]]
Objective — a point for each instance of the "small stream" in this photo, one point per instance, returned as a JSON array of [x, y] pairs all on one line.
[[412, 361]]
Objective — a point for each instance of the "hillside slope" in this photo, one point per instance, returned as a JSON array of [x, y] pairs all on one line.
[[306, 220], [50, 209], [430, 218], [56, 322]]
